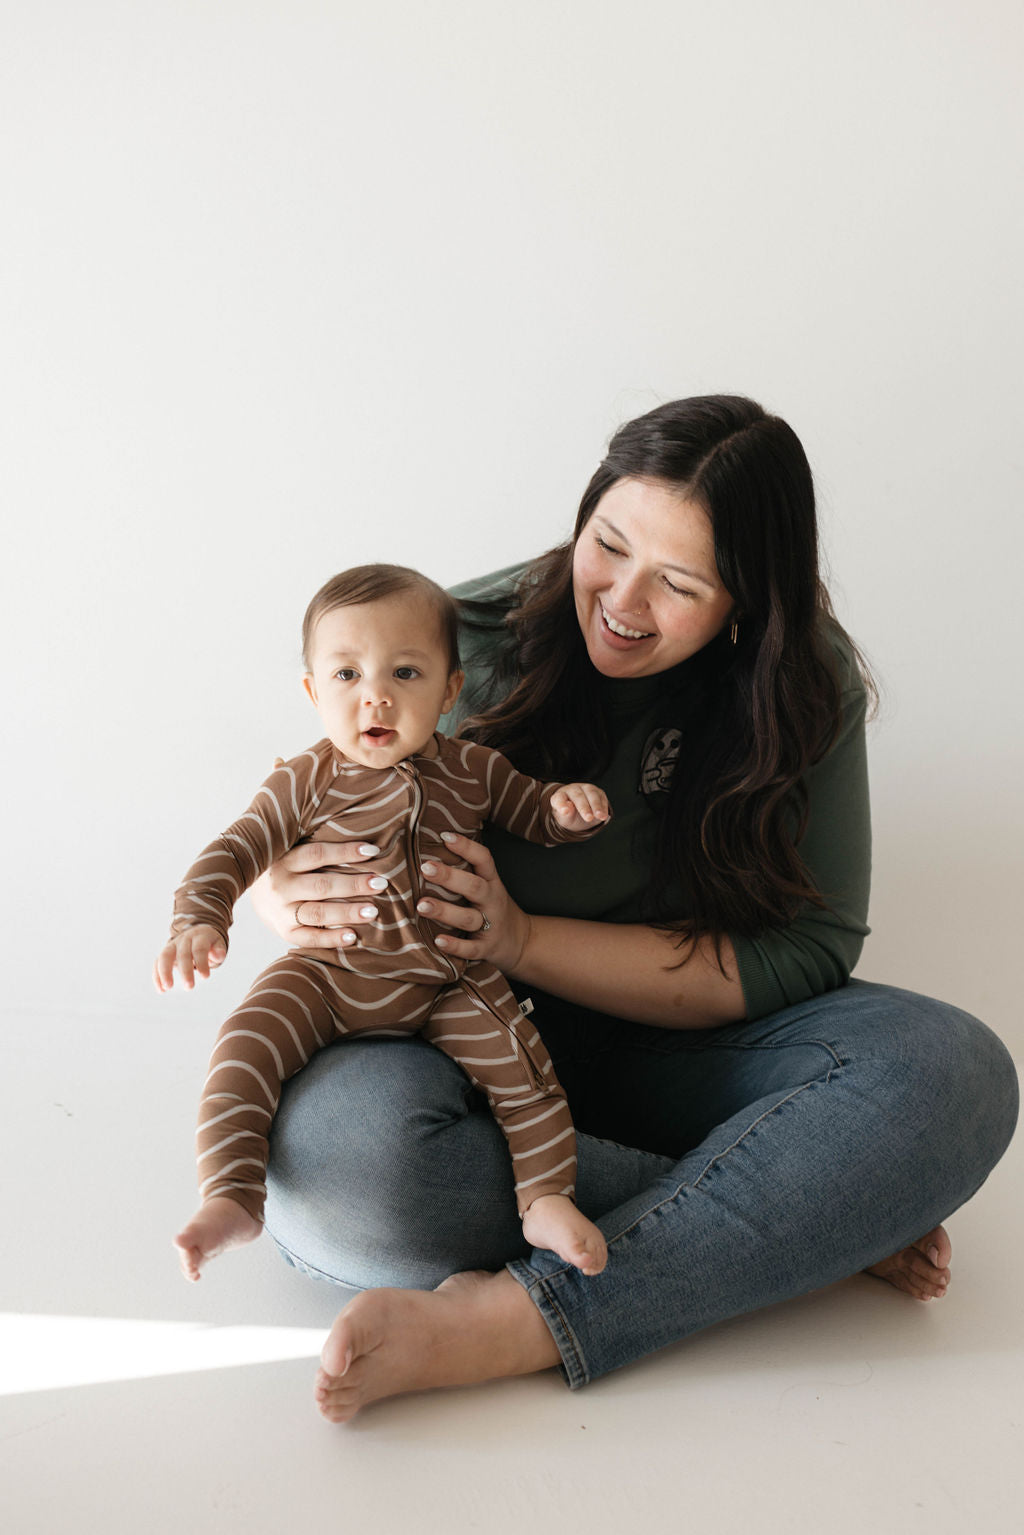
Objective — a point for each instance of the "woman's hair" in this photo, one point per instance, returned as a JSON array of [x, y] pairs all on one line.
[[370, 583], [731, 823]]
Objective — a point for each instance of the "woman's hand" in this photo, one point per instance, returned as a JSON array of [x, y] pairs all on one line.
[[496, 928], [312, 897]]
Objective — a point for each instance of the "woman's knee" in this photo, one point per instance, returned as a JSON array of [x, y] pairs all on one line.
[[957, 1081], [387, 1168]]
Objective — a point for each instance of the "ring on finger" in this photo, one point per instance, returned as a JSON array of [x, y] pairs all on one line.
[[485, 926]]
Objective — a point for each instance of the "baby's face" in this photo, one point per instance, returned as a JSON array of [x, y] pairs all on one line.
[[380, 678]]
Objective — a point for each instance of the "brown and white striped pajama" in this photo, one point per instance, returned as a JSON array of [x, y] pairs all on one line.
[[394, 981]]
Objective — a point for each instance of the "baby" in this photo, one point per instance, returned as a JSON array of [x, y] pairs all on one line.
[[380, 648]]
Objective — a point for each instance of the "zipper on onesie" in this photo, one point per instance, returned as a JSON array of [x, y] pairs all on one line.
[[412, 776], [518, 1043]]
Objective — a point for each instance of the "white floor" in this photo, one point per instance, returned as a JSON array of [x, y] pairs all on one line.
[[132, 1399]]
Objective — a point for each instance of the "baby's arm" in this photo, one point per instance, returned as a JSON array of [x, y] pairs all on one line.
[[205, 899], [527, 808]]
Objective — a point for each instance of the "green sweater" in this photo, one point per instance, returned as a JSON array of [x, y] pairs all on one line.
[[604, 879]]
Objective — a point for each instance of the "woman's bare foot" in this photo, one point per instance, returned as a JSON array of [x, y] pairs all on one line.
[[473, 1327], [553, 1222], [217, 1225], [922, 1270]]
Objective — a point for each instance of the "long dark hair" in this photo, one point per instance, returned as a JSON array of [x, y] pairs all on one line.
[[728, 845]]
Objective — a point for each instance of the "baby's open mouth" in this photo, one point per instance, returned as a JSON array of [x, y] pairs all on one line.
[[378, 732]]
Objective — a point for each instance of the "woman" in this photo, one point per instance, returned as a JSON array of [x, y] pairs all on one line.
[[751, 1127]]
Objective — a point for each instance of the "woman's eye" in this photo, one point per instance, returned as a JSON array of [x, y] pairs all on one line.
[[406, 673], [602, 545], [680, 591]]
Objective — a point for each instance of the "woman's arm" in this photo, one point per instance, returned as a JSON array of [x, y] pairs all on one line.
[[632, 972], [627, 970]]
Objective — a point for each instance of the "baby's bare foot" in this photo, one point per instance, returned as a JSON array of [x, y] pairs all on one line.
[[217, 1225], [922, 1270], [473, 1327], [553, 1222]]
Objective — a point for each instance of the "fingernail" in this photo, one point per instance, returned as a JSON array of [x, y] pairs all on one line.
[[933, 1253], [367, 911], [348, 937], [442, 943], [449, 836], [424, 906], [368, 848], [429, 868], [378, 882]]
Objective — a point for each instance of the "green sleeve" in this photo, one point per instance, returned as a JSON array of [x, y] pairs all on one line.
[[817, 952]]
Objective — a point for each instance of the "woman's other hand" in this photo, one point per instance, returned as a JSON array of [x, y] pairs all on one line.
[[491, 927], [313, 897]]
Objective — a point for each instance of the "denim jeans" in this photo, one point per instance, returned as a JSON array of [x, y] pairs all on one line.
[[728, 1168]]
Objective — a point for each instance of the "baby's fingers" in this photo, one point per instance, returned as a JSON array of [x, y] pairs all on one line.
[[597, 800], [163, 969], [185, 965], [208, 952], [587, 800]]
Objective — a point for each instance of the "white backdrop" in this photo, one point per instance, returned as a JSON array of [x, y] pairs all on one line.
[[291, 285]]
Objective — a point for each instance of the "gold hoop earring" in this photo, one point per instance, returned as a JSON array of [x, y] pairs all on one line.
[[734, 632]]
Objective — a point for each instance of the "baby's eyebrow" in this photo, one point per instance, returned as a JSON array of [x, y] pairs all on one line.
[[399, 655]]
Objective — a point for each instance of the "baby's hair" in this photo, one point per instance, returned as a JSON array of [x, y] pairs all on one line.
[[371, 583]]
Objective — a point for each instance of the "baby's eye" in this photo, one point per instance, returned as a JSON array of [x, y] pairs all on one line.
[[406, 673], [346, 674]]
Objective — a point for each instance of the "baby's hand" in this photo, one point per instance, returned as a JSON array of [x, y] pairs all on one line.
[[198, 948], [578, 805]]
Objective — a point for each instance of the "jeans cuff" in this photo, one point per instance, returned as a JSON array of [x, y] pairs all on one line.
[[542, 1292]]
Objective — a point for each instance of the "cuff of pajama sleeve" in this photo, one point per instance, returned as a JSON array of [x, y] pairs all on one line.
[[541, 1290]]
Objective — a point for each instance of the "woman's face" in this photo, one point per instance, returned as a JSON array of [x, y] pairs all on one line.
[[647, 591]]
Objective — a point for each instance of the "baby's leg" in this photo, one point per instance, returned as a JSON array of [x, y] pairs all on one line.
[[285, 1019], [479, 1025]]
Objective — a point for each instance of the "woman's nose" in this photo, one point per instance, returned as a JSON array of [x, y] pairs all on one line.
[[629, 594]]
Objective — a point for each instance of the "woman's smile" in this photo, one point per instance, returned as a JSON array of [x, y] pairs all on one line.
[[620, 631]]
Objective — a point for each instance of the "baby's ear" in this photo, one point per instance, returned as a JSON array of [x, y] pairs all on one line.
[[453, 690], [309, 685]]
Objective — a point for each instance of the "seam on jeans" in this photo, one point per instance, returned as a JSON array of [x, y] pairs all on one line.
[[309, 1268], [580, 1375], [652, 1049], [752, 1127], [671, 1198]]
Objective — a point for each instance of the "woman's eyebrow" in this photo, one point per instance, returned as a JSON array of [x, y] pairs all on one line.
[[683, 570]]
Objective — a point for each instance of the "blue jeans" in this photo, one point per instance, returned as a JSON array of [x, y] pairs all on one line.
[[728, 1168]]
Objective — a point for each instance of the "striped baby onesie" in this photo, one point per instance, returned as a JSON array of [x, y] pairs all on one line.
[[394, 981]]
